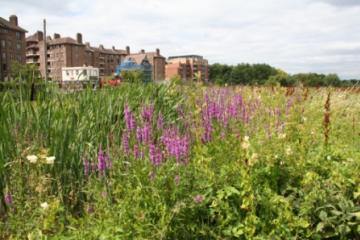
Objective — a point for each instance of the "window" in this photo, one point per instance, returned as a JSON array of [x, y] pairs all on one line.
[[4, 67], [3, 43], [67, 73], [18, 46], [3, 56], [18, 36], [77, 72], [84, 72]]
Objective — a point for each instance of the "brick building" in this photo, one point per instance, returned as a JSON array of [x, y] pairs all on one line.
[[188, 67], [156, 60], [12, 44], [69, 52], [105, 59]]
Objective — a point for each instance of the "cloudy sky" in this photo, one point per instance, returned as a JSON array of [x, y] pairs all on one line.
[[294, 35]]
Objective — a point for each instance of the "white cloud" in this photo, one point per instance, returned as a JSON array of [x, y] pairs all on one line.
[[296, 35]]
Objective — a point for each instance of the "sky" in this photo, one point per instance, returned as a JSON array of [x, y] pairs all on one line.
[[294, 35]]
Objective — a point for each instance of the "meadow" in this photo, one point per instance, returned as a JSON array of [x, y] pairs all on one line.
[[147, 161]]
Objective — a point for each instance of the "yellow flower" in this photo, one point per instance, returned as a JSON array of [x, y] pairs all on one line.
[[32, 158]]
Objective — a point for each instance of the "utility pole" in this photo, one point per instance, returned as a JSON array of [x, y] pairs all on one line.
[[45, 53]]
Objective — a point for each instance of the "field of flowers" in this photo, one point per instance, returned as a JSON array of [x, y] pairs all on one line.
[[180, 162]]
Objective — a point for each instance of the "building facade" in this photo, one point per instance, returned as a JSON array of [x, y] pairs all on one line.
[[156, 60], [69, 52], [188, 67], [12, 45], [105, 59]]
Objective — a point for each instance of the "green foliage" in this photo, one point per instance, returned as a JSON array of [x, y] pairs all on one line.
[[133, 76], [284, 183], [260, 74]]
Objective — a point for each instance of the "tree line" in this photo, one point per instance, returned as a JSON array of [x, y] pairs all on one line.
[[264, 74]]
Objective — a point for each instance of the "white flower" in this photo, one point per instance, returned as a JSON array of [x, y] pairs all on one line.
[[246, 138], [50, 160], [288, 151], [32, 158], [282, 136], [245, 145], [44, 205], [328, 158]]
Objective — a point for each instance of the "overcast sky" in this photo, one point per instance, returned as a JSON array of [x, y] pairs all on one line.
[[294, 35]]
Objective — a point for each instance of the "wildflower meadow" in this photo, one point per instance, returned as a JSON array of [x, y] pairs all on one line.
[[151, 161]]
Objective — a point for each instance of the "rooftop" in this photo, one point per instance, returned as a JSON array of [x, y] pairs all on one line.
[[5, 23], [185, 56]]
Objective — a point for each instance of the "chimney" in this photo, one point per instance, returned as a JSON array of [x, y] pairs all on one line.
[[142, 51], [101, 46], [39, 36], [13, 20], [157, 52], [127, 50], [79, 38], [113, 48], [87, 44], [56, 35]]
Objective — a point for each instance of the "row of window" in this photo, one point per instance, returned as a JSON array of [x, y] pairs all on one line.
[[11, 57], [9, 44], [83, 72]]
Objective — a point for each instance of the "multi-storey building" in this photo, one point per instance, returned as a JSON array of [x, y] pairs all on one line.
[[68, 52], [105, 59], [156, 60], [188, 67], [12, 45], [32, 48]]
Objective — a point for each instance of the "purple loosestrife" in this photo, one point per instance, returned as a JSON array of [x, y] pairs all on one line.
[[147, 113], [125, 142], [139, 135], [8, 199], [198, 198], [146, 133], [101, 161], [129, 118], [136, 152], [152, 153]]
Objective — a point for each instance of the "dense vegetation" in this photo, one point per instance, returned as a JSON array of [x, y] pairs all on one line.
[[263, 74], [180, 162]]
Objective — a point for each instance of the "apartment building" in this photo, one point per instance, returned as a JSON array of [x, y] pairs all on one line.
[[12, 45], [70, 52], [156, 60], [188, 67], [105, 59]]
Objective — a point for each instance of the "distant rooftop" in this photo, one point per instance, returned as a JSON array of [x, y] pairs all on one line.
[[185, 56]]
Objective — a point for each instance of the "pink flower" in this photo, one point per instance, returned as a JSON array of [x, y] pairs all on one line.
[[198, 198]]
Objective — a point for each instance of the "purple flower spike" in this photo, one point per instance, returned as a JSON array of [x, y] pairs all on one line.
[[87, 167], [125, 142], [101, 161], [129, 118], [8, 199]]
